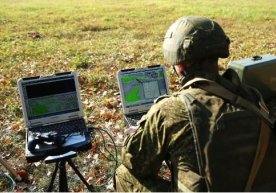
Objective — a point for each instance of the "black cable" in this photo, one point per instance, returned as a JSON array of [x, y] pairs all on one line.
[[90, 129], [115, 147], [114, 158]]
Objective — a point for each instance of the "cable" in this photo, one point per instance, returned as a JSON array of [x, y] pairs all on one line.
[[90, 129], [115, 147], [114, 158]]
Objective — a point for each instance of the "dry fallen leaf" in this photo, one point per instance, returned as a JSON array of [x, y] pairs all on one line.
[[79, 188], [107, 115], [107, 103], [6, 141], [23, 174], [15, 127]]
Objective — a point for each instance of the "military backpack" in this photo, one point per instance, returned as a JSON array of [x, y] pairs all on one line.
[[235, 149]]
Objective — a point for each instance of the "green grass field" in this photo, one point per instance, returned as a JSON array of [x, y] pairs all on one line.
[[98, 37]]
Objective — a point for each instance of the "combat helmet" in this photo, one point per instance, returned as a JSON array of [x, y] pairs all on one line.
[[194, 38]]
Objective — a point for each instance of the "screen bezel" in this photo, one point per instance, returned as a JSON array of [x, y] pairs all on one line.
[[34, 122]]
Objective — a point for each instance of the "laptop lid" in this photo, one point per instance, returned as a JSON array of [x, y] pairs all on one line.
[[139, 87], [50, 99]]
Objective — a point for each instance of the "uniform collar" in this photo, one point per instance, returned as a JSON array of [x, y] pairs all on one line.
[[199, 74]]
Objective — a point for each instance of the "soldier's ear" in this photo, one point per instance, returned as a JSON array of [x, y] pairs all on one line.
[[180, 68]]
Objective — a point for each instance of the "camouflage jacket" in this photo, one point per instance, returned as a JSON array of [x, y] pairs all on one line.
[[165, 133]]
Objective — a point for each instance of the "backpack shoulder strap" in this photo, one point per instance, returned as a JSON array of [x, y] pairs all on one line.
[[259, 155], [188, 101], [220, 91]]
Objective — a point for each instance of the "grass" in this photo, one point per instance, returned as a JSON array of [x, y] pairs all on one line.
[[98, 37]]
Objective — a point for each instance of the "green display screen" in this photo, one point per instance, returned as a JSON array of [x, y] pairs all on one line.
[[143, 87]]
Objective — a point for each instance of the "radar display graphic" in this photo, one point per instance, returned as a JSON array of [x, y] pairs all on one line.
[[52, 104], [143, 86]]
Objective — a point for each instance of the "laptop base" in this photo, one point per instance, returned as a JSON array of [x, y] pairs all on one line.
[[62, 128], [61, 161], [73, 143], [132, 119]]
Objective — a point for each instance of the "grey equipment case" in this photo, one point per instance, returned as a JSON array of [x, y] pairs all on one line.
[[258, 72]]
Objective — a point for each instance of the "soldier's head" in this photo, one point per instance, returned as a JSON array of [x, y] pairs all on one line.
[[195, 43]]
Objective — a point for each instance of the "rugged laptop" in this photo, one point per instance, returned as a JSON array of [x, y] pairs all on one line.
[[139, 87], [52, 104]]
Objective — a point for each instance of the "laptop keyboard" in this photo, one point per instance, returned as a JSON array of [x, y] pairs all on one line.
[[133, 119], [67, 127]]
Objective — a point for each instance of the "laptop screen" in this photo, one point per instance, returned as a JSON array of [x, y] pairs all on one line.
[[50, 97], [142, 86]]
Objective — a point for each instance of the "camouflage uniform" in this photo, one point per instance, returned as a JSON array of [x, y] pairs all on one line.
[[165, 133]]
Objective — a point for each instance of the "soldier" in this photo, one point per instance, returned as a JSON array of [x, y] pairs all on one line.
[[214, 134]]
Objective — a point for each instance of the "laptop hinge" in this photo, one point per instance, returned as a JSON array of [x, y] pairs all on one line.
[[36, 124], [73, 117]]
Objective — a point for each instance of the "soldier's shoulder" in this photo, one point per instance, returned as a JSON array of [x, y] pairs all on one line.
[[168, 108], [160, 98], [167, 98], [167, 103]]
